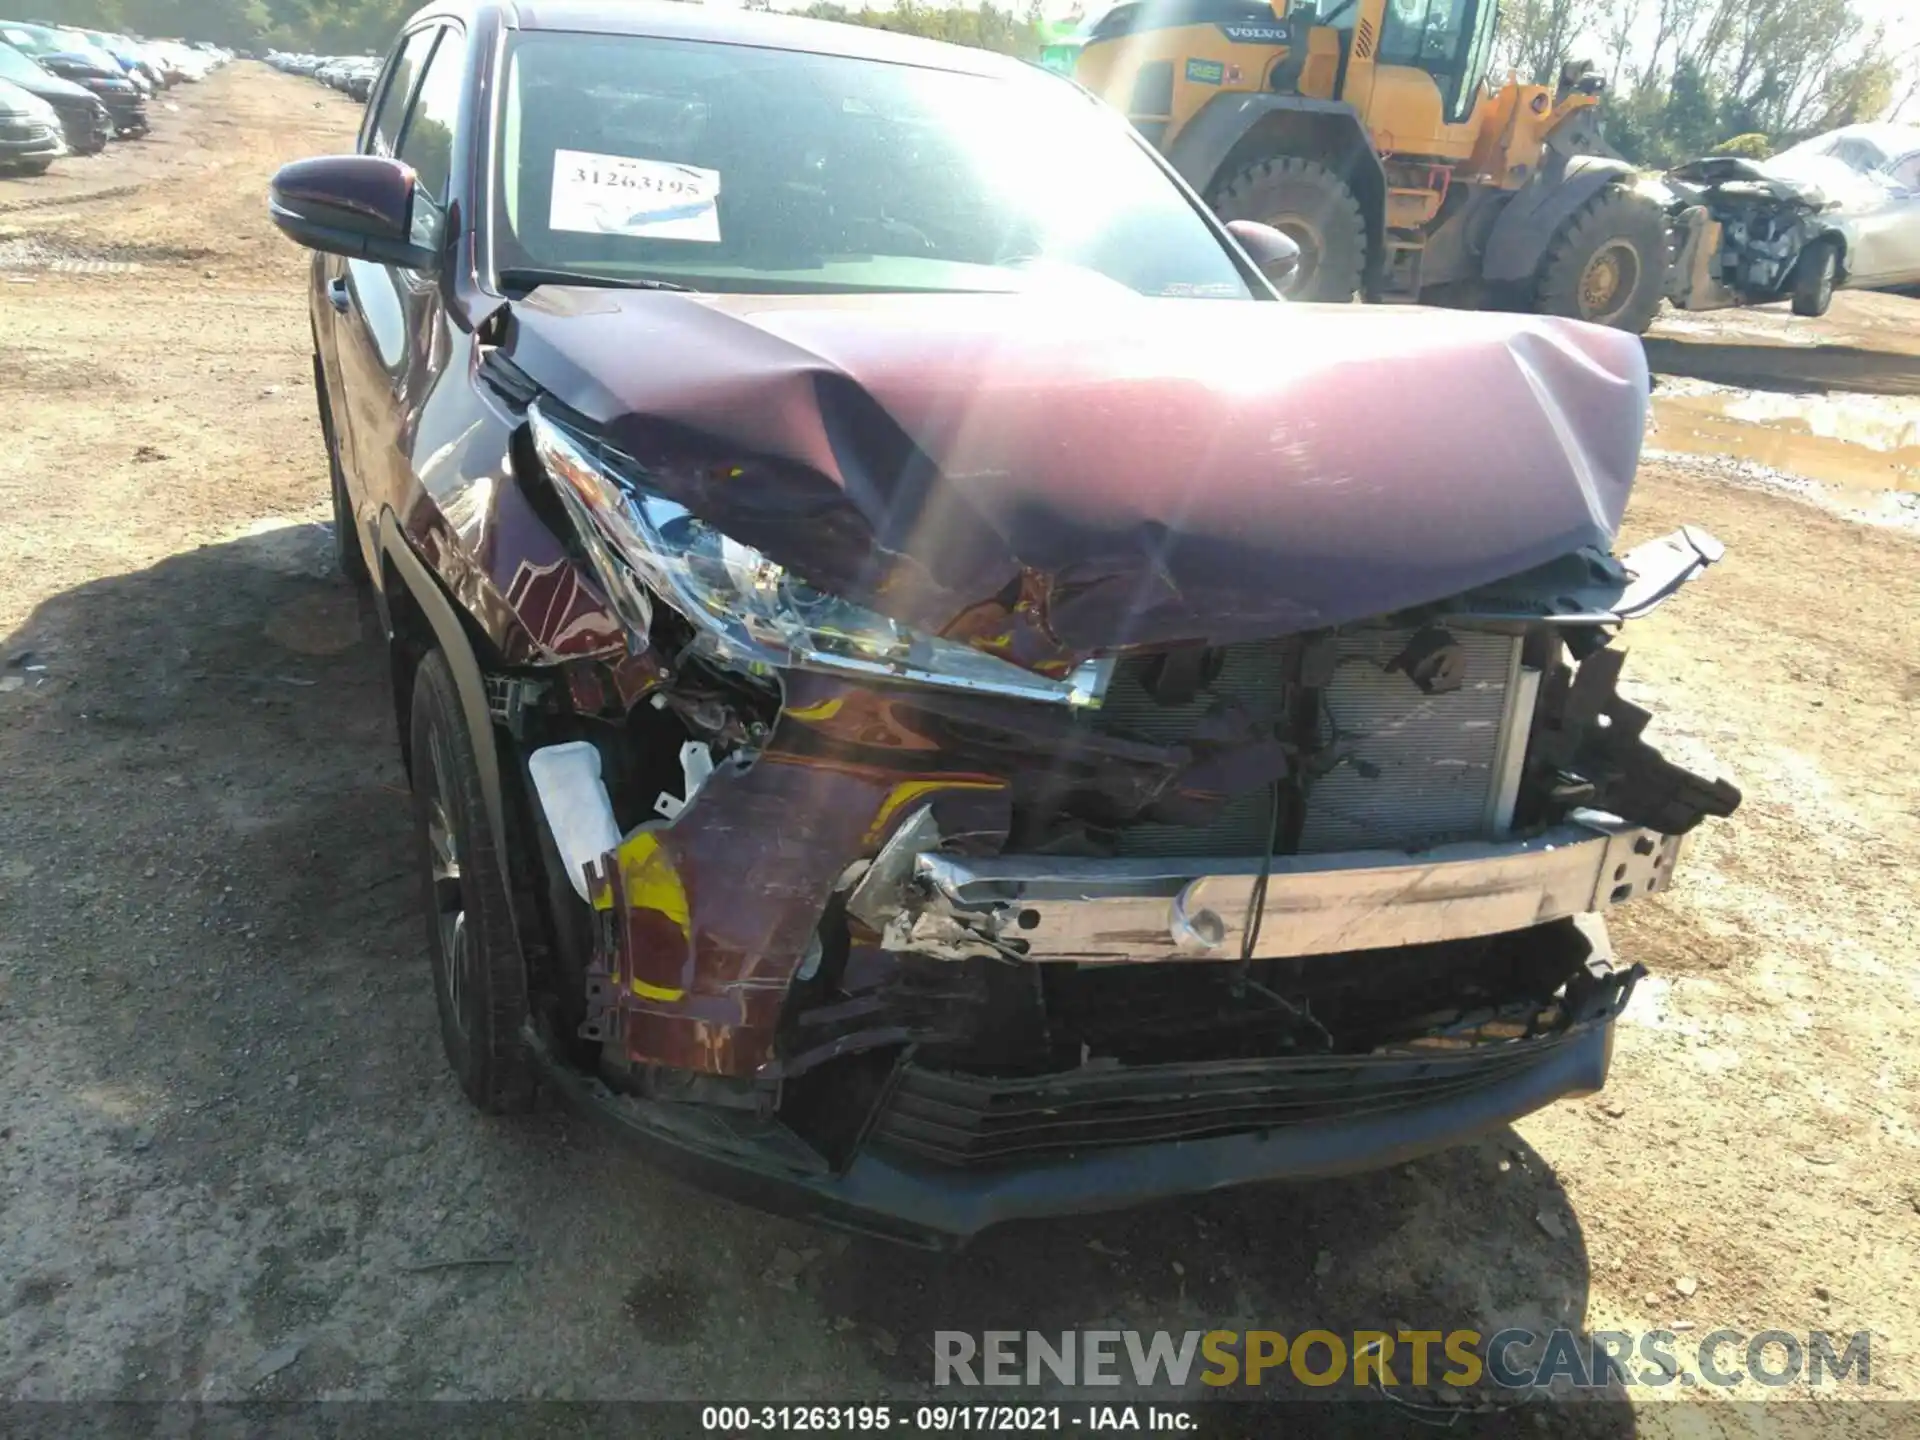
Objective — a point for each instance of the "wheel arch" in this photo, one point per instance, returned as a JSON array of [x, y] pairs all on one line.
[[1231, 131], [417, 616], [1836, 237], [1526, 226]]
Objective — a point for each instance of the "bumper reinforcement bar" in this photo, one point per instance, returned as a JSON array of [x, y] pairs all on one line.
[[1062, 909]]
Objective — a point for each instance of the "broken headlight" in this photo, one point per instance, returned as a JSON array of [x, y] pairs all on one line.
[[745, 608]]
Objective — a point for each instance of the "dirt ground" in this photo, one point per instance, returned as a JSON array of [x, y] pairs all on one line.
[[232, 1162]]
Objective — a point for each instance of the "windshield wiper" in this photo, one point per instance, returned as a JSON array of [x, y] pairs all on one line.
[[522, 277]]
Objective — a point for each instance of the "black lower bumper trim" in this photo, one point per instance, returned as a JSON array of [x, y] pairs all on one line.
[[892, 1195]]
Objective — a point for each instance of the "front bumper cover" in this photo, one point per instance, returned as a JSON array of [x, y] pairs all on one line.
[[890, 1194], [128, 109], [86, 126], [28, 141]]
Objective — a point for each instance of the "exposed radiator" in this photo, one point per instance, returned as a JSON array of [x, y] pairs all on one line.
[[1414, 769]]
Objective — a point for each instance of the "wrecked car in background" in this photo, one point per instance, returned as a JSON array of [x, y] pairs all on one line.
[[932, 695], [1839, 211]]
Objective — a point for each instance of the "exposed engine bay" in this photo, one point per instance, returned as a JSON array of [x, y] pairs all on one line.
[[1261, 883]]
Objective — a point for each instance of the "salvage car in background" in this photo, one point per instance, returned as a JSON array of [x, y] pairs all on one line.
[[84, 122], [72, 57], [932, 695], [30, 137], [133, 58], [1839, 211]]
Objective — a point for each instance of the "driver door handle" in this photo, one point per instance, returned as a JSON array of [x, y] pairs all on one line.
[[337, 296]]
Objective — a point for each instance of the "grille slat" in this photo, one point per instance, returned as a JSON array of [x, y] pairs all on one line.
[[963, 1120], [1415, 769]]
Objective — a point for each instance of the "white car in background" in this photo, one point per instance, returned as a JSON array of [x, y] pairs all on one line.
[[1872, 174]]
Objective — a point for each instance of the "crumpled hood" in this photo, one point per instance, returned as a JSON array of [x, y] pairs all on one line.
[[1123, 471], [1811, 179]]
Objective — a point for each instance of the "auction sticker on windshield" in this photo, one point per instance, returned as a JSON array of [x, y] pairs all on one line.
[[620, 195]]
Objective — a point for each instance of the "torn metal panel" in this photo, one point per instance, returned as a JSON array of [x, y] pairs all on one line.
[[718, 912], [1594, 587], [1589, 737], [879, 895]]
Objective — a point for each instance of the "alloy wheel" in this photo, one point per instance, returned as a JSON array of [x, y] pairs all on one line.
[[449, 896]]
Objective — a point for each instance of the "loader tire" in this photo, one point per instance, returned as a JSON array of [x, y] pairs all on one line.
[[1608, 264], [1314, 208]]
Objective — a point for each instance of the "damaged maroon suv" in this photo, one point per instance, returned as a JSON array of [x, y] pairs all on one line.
[[932, 695]]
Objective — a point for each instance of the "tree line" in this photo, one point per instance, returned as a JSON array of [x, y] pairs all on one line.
[[353, 27], [1684, 76], [327, 27]]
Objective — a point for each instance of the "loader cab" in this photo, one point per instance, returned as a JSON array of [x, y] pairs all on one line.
[[1416, 71], [1413, 70], [1451, 41]]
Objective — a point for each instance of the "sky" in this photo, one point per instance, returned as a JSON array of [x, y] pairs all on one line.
[[1902, 19]]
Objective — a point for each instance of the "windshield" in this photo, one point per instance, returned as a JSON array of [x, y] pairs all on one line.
[[1466, 86], [17, 67], [1446, 38], [733, 168], [28, 42], [72, 43]]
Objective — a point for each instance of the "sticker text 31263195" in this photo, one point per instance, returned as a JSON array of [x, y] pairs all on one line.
[[645, 199]]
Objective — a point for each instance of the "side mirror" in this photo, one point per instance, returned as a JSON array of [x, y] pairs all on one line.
[[1274, 254], [360, 206]]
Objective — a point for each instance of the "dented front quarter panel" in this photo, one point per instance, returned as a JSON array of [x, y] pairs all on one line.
[[469, 518]]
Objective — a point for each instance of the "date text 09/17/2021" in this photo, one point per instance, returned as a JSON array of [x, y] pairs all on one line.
[[921, 1419]]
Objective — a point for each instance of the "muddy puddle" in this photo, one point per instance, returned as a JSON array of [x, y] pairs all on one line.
[[1856, 442]]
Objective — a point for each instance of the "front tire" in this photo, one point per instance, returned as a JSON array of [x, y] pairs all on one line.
[[1313, 207], [1813, 279], [1608, 264], [479, 975]]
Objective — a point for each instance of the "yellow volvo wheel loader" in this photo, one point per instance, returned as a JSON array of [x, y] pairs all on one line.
[[1367, 132]]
